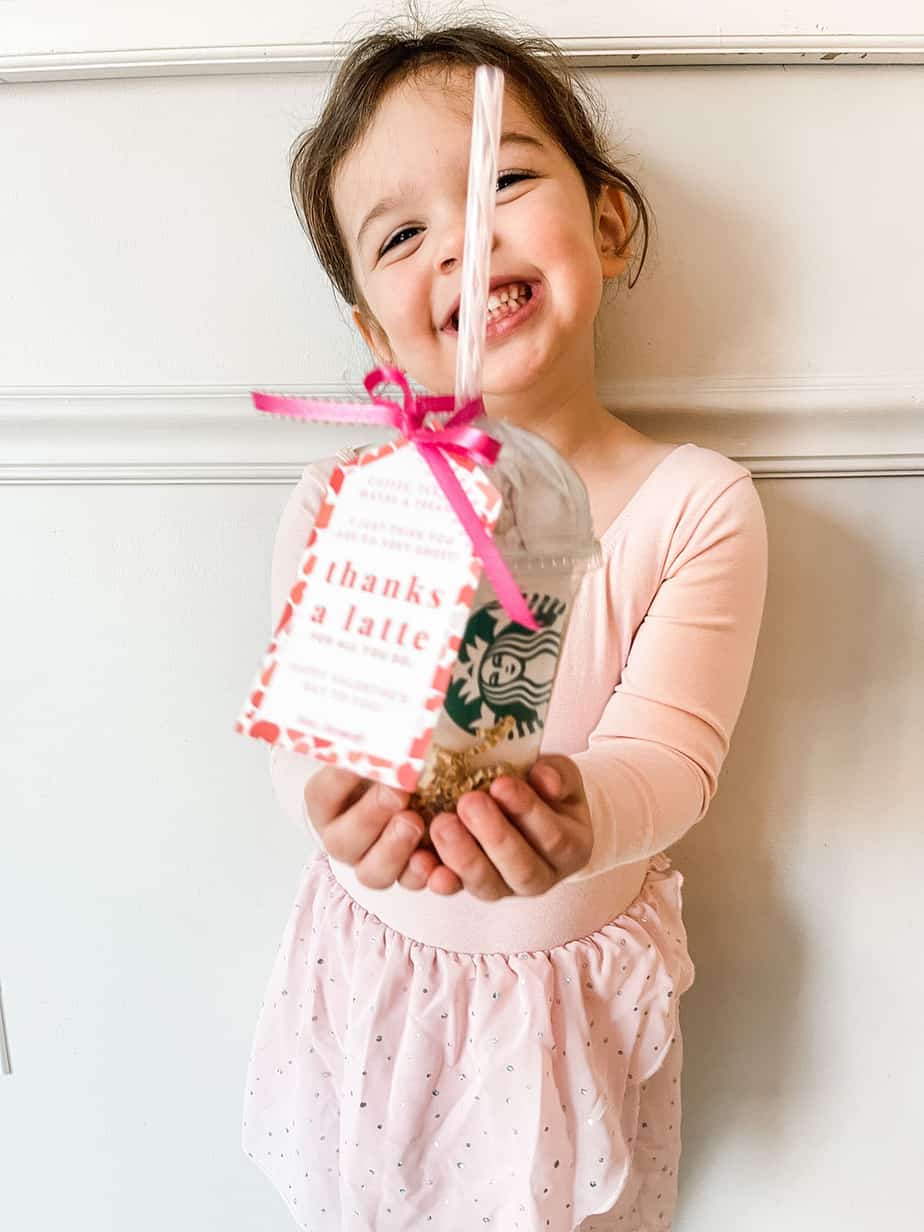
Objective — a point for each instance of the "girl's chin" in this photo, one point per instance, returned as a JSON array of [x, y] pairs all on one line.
[[504, 375]]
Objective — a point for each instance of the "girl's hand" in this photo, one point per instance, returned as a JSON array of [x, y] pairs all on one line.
[[365, 824], [519, 837]]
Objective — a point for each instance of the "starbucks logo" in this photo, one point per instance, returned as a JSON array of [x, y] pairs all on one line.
[[505, 669]]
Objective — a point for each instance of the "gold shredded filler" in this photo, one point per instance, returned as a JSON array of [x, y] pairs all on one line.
[[451, 774]]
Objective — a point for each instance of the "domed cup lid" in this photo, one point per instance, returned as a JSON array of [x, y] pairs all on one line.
[[545, 522]]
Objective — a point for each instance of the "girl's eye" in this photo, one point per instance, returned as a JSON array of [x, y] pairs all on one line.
[[396, 238], [512, 176], [409, 231]]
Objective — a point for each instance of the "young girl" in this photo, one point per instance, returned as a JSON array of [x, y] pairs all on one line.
[[488, 1034]]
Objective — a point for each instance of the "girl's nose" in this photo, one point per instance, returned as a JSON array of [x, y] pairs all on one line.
[[451, 250], [452, 239]]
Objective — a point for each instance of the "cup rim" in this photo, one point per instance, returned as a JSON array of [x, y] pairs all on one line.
[[586, 558]]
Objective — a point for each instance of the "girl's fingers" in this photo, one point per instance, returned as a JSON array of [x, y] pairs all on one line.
[[547, 781], [463, 856], [540, 824], [419, 867], [444, 881], [520, 866], [350, 835], [330, 791], [388, 856]]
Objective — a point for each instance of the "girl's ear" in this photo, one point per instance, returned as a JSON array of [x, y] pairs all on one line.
[[373, 335], [612, 228]]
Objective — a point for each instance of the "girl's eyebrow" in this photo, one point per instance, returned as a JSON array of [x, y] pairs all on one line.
[[508, 137]]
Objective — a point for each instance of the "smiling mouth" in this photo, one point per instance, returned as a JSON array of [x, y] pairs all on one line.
[[516, 302]]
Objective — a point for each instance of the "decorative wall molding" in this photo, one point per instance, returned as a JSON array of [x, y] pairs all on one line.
[[728, 51], [795, 428]]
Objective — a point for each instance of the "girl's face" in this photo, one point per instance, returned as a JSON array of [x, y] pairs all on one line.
[[400, 200]]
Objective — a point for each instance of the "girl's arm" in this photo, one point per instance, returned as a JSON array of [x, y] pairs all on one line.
[[289, 772], [653, 761]]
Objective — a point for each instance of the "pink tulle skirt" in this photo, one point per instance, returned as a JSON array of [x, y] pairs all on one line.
[[394, 1085]]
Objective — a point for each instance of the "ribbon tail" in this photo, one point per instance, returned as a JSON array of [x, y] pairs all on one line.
[[318, 410], [496, 568]]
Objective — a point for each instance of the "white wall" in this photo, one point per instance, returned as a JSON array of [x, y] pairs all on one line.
[[152, 274]]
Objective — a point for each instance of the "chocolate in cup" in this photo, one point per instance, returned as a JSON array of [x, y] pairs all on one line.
[[494, 710]]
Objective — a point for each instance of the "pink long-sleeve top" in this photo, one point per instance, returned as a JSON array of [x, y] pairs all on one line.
[[652, 678]]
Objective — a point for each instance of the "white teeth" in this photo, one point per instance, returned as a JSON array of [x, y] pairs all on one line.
[[508, 296], [502, 301]]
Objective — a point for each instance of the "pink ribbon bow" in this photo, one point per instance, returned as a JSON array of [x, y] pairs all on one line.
[[453, 437]]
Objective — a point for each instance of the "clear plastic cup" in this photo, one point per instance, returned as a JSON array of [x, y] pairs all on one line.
[[494, 711]]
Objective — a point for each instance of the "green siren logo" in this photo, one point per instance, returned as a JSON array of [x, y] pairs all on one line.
[[505, 669]]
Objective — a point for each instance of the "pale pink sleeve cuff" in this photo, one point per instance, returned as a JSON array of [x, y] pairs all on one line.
[[289, 774], [643, 797]]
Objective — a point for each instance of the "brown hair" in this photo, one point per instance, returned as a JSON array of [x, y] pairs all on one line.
[[533, 66]]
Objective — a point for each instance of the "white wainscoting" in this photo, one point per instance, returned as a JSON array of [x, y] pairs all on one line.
[[231, 35], [778, 430], [636, 51]]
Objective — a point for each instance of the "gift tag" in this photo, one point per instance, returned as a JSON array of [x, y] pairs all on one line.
[[363, 653]]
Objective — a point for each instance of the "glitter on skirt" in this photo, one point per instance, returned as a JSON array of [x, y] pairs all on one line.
[[394, 1085]]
